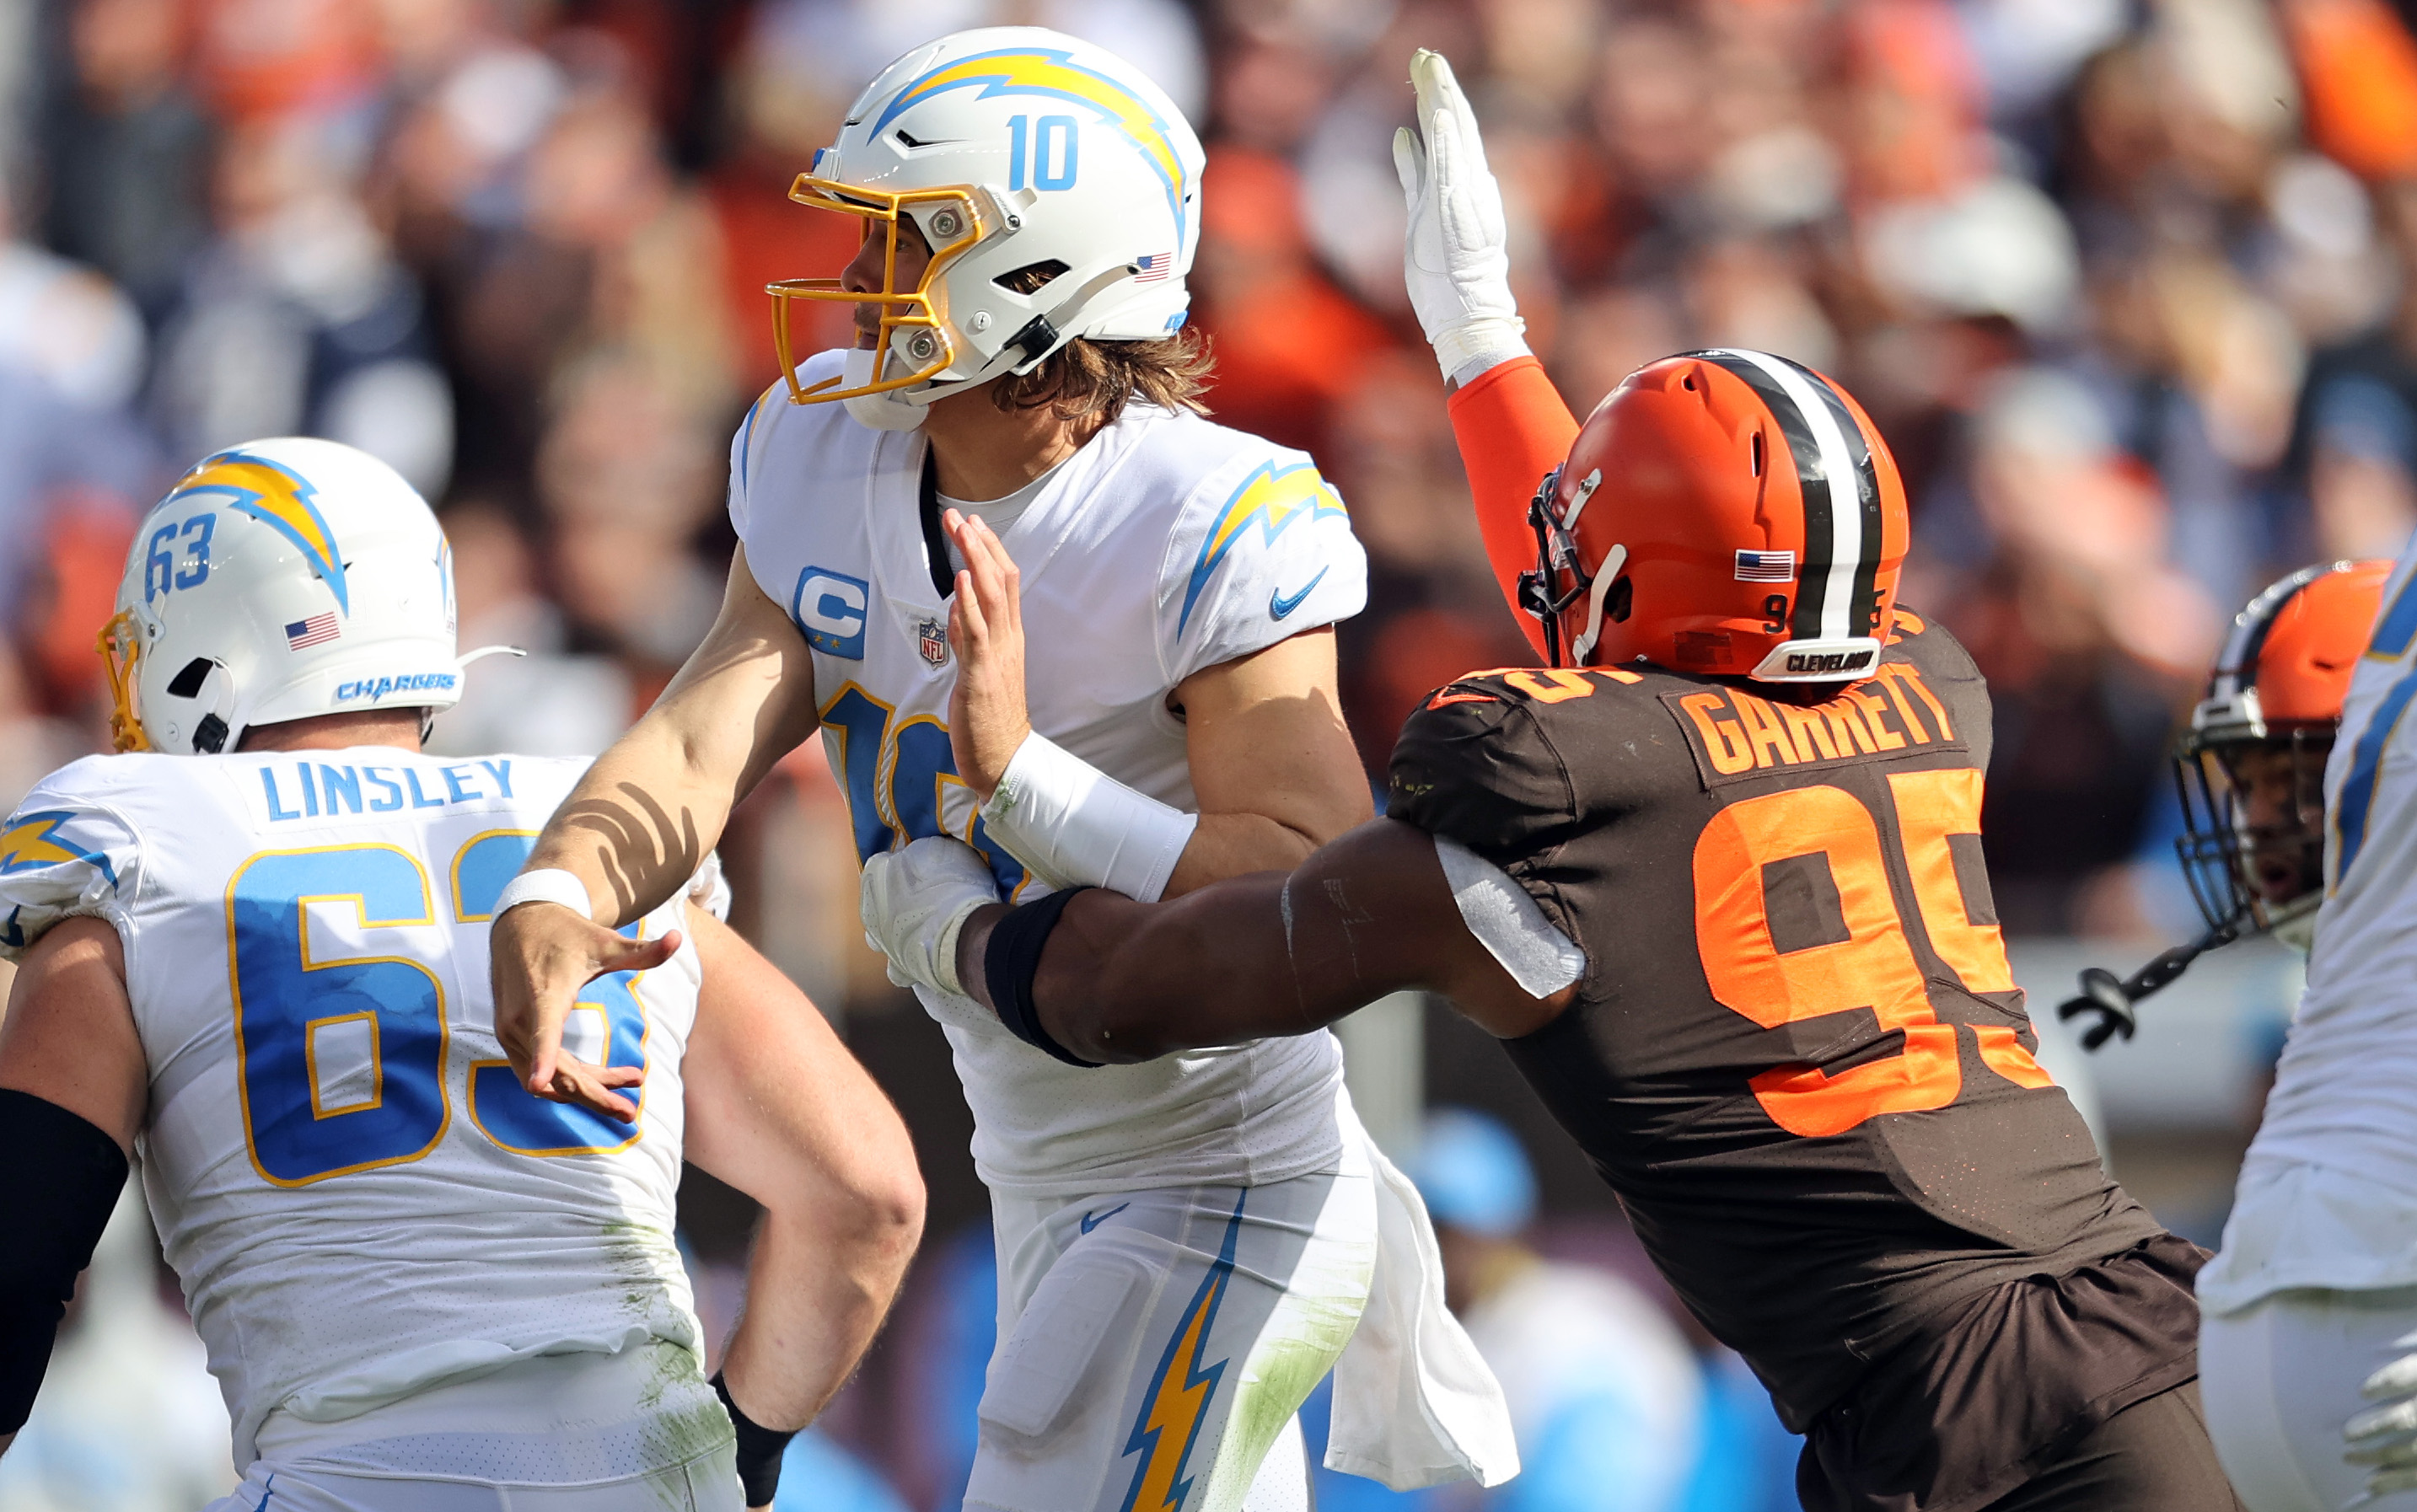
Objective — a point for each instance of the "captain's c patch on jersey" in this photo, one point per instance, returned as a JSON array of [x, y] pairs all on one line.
[[1735, 735], [829, 608]]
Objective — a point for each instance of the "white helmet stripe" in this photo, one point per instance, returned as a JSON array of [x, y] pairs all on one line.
[[1838, 462]]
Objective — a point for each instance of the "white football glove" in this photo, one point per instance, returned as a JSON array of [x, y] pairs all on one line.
[[915, 902], [1455, 257], [2385, 1437]]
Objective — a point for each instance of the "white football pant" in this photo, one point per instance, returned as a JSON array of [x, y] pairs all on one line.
[[2281, 1377], [1155, 1345], [636, 1432]]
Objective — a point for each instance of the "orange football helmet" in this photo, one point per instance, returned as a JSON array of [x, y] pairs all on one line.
[[2252, 764], [1725, 512]]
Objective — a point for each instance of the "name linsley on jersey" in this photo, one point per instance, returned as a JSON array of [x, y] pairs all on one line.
[[1167, 544], [335, 1137]]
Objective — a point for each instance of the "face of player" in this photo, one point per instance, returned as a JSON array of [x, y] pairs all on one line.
[[2272, 785], [862, 274]]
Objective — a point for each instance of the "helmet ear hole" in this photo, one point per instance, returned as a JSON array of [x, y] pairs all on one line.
[[188, 679], [1031, 278], [1622, 600], [1754, 453]]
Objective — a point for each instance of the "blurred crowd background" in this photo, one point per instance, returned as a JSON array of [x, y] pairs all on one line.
[[2129, 285]]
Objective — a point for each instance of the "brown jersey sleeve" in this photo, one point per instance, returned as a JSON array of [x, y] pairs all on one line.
[[1473, 766]]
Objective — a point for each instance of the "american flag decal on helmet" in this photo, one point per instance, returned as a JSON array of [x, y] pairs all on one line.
[[1765, 566], [318, 629], [1150, 269]]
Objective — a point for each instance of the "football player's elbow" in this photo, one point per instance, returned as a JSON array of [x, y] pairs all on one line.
[[1115, 1034], [875, 1198]]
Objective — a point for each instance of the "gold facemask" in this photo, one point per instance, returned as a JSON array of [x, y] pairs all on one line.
[[922, 309], [121, 649]]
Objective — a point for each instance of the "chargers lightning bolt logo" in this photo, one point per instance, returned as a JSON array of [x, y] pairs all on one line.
[[1050, 73], [1275, 497], [31, 841], [278, 497], [1170, 1421]]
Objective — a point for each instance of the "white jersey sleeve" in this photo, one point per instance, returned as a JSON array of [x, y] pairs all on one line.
[[743, 450], [66, 851], [1262, 550]]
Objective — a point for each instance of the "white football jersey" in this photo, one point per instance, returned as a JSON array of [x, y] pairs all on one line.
[[1165, 545], [361, 1197], [2328, 1191]]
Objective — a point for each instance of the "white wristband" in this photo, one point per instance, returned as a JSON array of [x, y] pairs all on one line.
[[1078, 826], [1466, 351], [548, 885]]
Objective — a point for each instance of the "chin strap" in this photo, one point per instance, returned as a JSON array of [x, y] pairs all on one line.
[[2114, 1000], [428, 717]]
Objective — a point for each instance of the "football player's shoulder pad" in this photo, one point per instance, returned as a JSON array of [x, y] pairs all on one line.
[[69, 848], [1475, 762]]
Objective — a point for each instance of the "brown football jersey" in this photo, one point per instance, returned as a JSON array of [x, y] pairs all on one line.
[[1798, 1053]]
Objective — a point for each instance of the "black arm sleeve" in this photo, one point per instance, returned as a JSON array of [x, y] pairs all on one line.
[[59, 1184], [1013, 959]]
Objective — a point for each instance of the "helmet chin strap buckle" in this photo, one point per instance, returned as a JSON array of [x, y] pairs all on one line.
[[1036, 339]]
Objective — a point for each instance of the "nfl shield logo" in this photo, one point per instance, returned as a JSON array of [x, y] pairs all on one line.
[[932, 639]]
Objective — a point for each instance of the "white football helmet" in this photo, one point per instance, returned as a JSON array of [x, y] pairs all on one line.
[[276, 581], [1014, 150]]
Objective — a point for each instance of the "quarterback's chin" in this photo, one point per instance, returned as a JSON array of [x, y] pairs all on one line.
[[886, 411]]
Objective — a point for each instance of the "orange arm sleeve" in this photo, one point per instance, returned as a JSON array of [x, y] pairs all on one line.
[[1512, 429]]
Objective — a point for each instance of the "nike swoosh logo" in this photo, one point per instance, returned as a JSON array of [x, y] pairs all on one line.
[[1089, 1223], [1279, 606]]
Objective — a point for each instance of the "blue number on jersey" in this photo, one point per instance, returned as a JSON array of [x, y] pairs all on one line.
[[288, 1010], [505, 1110], [916, 757]]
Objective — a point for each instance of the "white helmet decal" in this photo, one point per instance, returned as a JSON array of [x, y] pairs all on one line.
[[1058, 187], [1052, 73]]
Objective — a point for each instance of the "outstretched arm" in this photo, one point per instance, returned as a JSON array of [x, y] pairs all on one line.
[[1263, 954], [779, 1109], [639, 825], [1510, 420]]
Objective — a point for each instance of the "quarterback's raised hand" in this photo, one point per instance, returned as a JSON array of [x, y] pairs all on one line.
[[1457, 258], [987, 718], [551, 952]]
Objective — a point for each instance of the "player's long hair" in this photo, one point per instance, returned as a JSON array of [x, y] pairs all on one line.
[[1089, 382]]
